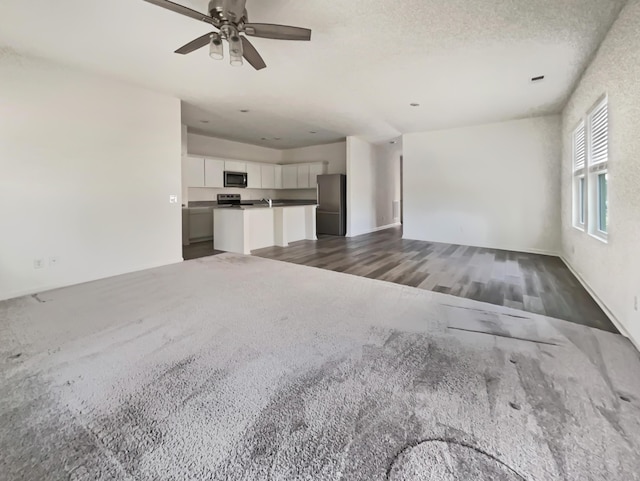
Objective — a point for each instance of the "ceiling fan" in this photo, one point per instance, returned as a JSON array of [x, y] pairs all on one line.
[[231, 19]]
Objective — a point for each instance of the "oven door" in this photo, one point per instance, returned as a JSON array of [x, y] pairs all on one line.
[[235, 179]]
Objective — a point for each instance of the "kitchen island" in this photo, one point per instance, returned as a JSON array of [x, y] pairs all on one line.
[[241, 229]]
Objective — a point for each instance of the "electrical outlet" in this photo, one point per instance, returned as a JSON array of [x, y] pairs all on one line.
[[38, 263], [53, 261], [173, 199]]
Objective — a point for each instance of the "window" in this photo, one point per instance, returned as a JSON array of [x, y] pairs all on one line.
[[579, 181], [582, 199], [603, 220], [590, 142], [598, 156]]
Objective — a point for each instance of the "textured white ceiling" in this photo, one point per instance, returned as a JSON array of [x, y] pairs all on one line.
[[464, 61]]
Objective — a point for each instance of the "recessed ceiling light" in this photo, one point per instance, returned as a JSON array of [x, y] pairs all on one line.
[[537, 79], [393, 142], [313, 132], [264, 138], [244, 111], [204, 121], [277, 138], [414, 104]]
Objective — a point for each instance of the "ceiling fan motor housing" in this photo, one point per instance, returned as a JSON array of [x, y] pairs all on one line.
[[232, 11]]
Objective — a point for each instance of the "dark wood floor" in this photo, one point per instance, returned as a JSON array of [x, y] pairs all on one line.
[[199, 249], [529, 282]]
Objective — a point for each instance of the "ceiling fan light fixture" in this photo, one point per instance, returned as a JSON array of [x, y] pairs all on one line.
[[216, 50], [236, 61], [236, 50]]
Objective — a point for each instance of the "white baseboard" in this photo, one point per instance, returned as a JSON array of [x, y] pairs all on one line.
[[600, 303], [498, 248], [51, 287], [384, 227], [377, 229]]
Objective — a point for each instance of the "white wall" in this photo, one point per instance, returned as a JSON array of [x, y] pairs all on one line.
[[388, 182], [228, 149], [87, 166], [373, 173], [492, 185], [334, 154], [611, 270]]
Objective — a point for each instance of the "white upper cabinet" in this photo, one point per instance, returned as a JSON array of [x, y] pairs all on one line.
[[213, 173], [303, 176], [193, 171], [209, 172], [235, 166], [290, 176], [254, 175], [268, 176], [316, 169], [278, 176]]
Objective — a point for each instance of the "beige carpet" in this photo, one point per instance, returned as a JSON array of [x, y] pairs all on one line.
[[240, 368]]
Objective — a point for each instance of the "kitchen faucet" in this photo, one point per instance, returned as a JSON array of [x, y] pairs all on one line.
[[268, 201]]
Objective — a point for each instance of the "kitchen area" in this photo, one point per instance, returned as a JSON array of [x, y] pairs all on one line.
[[246, 205]]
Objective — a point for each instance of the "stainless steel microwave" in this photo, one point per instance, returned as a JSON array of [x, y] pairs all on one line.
[[235, 179]]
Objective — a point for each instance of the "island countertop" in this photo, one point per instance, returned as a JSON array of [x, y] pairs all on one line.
[[258, 204], [275, 205]]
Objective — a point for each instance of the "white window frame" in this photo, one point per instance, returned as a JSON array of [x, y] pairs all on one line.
[[595, 169], [579, 179], [589, 171]]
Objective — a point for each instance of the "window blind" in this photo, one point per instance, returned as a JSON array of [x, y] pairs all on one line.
[[599, 134], [579, 148]]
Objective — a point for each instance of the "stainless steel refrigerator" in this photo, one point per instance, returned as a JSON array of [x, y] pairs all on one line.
[[331, 216]]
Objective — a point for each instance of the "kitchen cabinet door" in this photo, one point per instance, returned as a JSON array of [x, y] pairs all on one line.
[[254, 176], [213, 173], [290, 176], [200, 224], [316, 169], [278, 176], [235, 166], [303, 176], [193, 171], [268, 176]]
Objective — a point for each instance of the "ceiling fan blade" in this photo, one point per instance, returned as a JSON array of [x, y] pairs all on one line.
[[195, 44], [174, 7], [277, 32], [251, 54]]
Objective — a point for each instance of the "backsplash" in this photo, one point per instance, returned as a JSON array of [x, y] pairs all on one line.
[[209, 194]]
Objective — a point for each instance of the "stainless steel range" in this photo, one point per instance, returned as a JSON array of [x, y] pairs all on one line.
[[229, 199]]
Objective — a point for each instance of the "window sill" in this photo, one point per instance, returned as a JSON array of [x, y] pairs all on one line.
[[579, 228], [604, 238]]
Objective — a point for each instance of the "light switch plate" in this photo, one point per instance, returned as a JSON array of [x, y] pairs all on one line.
[[173, 199]]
